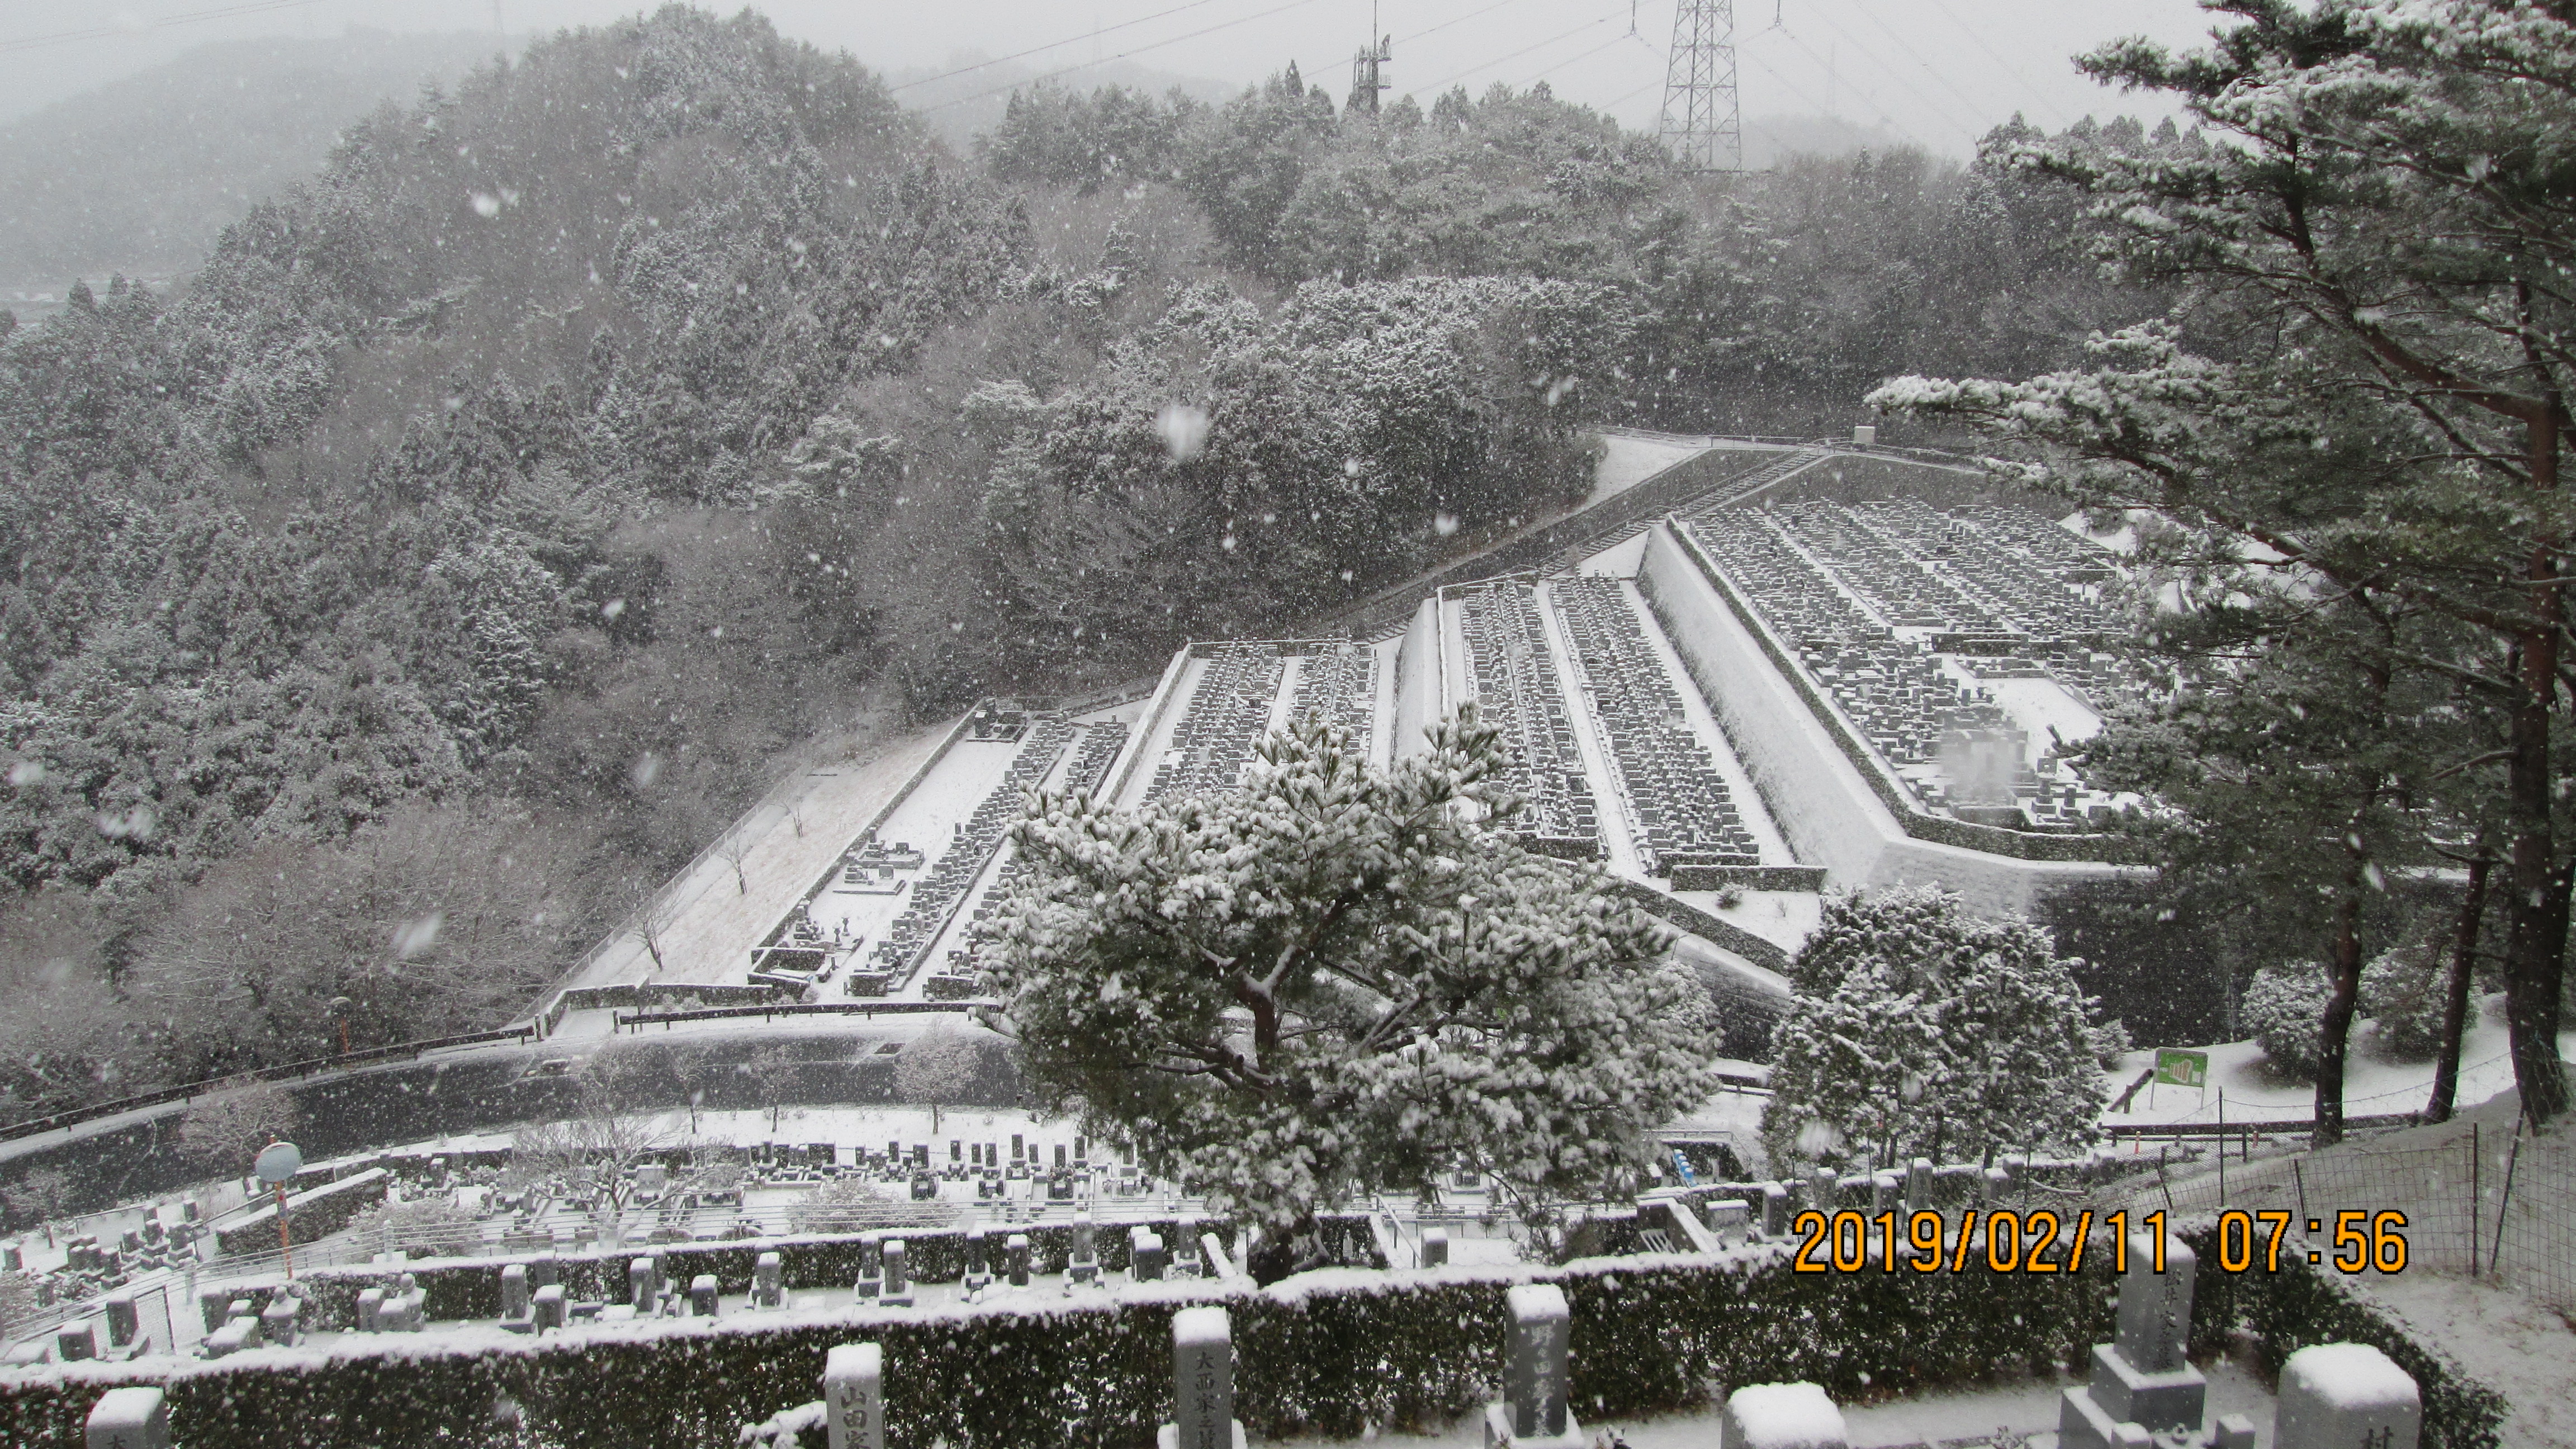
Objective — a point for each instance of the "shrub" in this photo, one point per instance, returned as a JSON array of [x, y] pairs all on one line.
[[2402, 991], [2282, 1009]]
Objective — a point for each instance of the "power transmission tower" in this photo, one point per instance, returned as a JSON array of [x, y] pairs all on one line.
[[1702, 123], [1368, 69]]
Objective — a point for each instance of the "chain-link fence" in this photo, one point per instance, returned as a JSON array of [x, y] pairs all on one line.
[[2486, 1204]]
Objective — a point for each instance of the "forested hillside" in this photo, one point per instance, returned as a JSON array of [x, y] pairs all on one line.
[[382, 614], [143, 174]]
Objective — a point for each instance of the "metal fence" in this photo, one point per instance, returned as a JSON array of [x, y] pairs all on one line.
[[2492, 1205]]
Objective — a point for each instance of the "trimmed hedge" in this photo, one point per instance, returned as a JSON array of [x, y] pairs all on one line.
[[1326, 1353]]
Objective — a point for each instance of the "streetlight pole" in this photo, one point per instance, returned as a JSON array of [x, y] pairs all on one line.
[[277, 1165]]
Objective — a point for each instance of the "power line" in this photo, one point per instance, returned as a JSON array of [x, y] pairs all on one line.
[[1940, 110], [1122, 55], [1051, 45], [2008, 68], [1964, 98], [1517, 54], [104, 32]]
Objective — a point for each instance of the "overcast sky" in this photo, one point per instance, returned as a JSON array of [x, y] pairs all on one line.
[[1939, 71]]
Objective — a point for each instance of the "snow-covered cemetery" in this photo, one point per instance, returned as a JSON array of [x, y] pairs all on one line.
[[724, 737]]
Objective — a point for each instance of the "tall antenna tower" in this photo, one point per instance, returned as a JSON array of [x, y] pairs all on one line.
[[1368, 68], [1702, 122]]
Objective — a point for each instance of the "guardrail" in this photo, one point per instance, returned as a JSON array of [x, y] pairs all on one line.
[[287, 1071], [643, 1019], [2119, 1131]]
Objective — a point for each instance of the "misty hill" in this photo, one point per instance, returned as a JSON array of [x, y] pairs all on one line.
[[960, 108], [1770, 140], [140, 175]]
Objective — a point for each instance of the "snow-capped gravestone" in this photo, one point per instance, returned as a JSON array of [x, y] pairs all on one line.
[[767, 1289], [371, 1307], [979, 1258], [871, 1281], [1145, 1249], [1202, 1383], [1533, 1412], [854, 1396], [546, 1309], [643, 1287], [1435, 1247], [122, 1322], [515, 1314], [704, 1296], [2142, 1378], [1775, 1210], [898, 1293], [1781, 1416], [1085, 1264], [2346, 1396], [1017, 1249], [129, 1418]]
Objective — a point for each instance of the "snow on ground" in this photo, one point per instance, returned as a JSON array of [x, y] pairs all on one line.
[[2373, 1084], [1628, 460], [2028, 1408]]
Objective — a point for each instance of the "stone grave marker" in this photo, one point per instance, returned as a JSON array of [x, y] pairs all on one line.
[[122, 1322], [277, 1320], [514, 1298], [71, 1345], [1084, 1266], [704, 1299], [641, 1288], [1202, 1383], [13, 1257], [1775, 1210], [871, 1280], [1918, 1184], [1145, 1248], [1018, 1250], [371, 1304], [767, 1290], [1883, 1190], [1729, 1219], [1533, 1413], [1994, 1185], [1781, 1416], [854, 1396], [543, 1271], [134, 1417], [236, 1334], [898, 1291], [546, 1309], [2141, 1378], [1435, 1247], [2346, 1396]]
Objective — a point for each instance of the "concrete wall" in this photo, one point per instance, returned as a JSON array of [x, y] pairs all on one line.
[[1830, 813], [1417, 681]]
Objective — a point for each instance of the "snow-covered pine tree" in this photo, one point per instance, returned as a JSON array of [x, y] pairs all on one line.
[[1920, 1029], [1328, 982]]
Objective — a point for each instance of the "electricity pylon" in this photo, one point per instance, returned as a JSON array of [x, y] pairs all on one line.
[[1702, 123]]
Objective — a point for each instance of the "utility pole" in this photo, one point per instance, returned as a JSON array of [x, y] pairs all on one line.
[[1702, 122]]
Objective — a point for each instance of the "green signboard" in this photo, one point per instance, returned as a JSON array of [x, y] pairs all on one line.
[[2181, 1068]]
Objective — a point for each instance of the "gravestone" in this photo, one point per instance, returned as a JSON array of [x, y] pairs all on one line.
[[277, 1320], [13, 1258], [1182, 1250], [1883, 1190], [71, 1345], [1775, 1210], [1435, 1247], [1018, 1249], [545, 1310], [1533, 1413], [2346, 1396], [134, 1417], [641, 1287], [371, 1303], [1084, 1267], [979, 1270], [898, 1292], [542, 1271], [854, 1396], [871, 1280], [236, 1335], [1729, 1219], [2232, 1431], [1994, 1185], [1821, 1195], [1202, 1383], [1918, 1184], [1781, 1416], [121, 1322], [1145, 1249], [767, 1290], [2142, 1377], [1213, 1254], [704, 1299], [514, 1297]]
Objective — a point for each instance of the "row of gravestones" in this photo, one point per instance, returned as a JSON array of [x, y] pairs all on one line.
[[2143, 1394], [2142, 1391]]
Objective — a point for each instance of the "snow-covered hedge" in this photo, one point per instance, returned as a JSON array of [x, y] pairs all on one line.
[[2302, 1304], [1324, 1353], [1329, 1352], [2282, 1008]]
